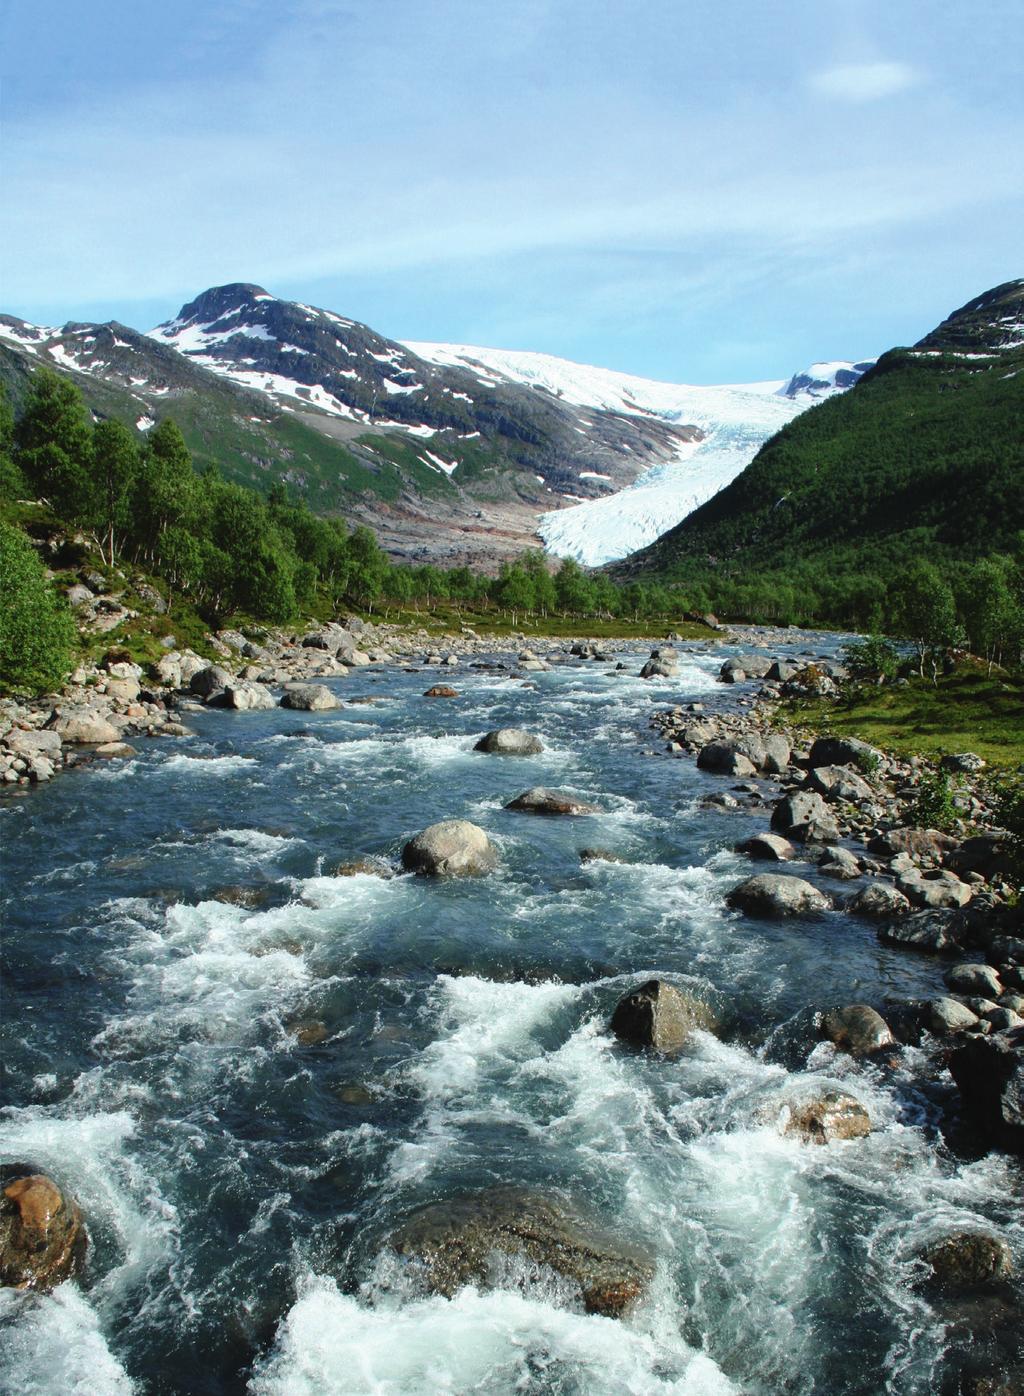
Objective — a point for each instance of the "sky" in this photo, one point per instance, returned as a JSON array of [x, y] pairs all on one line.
[[701, 191]]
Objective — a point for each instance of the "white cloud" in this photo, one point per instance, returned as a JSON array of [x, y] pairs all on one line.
[[864, 82]]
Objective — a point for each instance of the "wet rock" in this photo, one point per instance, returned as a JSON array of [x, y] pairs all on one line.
[[946, 1015], [974, 979], [658, 1016], [540, 800], [832, 1115], [934, 932], [725, 759], [842, 751], [236, 894], [309, 697], [839, 863], [510, 741], [777, 895], [858, 1029], [769, 847], [454, 1243], [42, 1238], [451, 848], [309, 1032], [989, 1072], [967, 1259], [113, 751], [659, 669], [364, 867], [244, 697], [940, 890], [441, 690], [601, 855], [805, 817]]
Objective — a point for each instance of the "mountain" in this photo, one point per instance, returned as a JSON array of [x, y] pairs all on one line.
[[452, 453], [731, 422], [924, 456]]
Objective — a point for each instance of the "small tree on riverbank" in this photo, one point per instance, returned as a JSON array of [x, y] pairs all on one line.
[[37, 634]]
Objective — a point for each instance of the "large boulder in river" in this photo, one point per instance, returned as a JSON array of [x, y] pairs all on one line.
[[452, 848], [777, 895], [244, 697], [725, 759], [832, 1115], [772, 848], [990, 1074], [42, 1239], [659, 1016], [805, 817], [540, 800], [452, 1244], [858, 1029], [879, 899], [309, 697], [510, 741], [659, 667]]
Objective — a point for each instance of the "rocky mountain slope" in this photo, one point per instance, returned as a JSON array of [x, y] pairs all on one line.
[[924, 456], [452, 453]]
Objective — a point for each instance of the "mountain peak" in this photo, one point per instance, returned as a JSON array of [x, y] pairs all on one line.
[[219, 301], [993, 321]]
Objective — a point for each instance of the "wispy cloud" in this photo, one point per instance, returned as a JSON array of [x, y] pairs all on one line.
[[864, 82]]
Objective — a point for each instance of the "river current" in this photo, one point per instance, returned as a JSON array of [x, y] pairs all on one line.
[[243, 1099]]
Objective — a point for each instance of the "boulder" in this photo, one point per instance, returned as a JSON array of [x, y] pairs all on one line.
[[929, 845], [122, 690], [309, 697], [805, 817], [938, 890], [659, 669], [33, 742], [839, 783], [839, 863], [946, 1015], [934, 932], [452, 848], [733, 676], [1006, 950], [962, 763], [42, 1239], [658, 1016], [879, 899], [772, 848], [440, 690], [831, 1115], [963, 1260], [989, 855], [724, 759], [244, 697], [777, 754], [452, 1244], [857, 1029], [781, 670], [842, 751], [210, 680], [989, 1072], [777, 895], [510, 741], [365, 867], [85, 727], [539, 800]]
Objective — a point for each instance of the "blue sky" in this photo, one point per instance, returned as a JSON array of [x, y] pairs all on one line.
[[697, 190]]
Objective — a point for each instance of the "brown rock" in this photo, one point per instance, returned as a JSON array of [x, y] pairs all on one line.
[[441, 690], [542, 801], [833, 1115], [42, 1239], [659, 1016]]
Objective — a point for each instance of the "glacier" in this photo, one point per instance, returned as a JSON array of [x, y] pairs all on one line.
[[735, 419]]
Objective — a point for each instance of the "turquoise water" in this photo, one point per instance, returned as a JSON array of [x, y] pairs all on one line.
[[238, 1183]]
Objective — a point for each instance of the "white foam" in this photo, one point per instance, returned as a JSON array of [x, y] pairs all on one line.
[[54, 1346]]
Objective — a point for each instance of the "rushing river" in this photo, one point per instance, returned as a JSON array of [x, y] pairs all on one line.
[[237, 1174]]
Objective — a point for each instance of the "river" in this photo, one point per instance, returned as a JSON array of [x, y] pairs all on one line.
[[244, 1099]]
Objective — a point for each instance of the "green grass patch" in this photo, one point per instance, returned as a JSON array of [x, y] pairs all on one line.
[[968, 710], [499, 624]]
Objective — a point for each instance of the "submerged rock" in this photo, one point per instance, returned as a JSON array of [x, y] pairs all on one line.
[[858, 1029], [441, 690], [832, 1115], [42, 1238], [451, 848], [458, 1242], [365, 867], [968, 1259], [775, 894], [540, 800], [510, 741], [659, 1016]]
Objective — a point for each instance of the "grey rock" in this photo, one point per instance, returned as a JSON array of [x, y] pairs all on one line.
[[973, 979], [451, 848], [85, 726], [841, 751], [941, 891], [658, 1016], [805, 817], [770, 847], [510, 741], [946, 1015], [309, 698], [839, 863], [540, 800], [934, 932], [858, 1029], [989, 1072], [212, 679], [839, 783], [723, 758], [777, 895], [244, 697], [33, 742]]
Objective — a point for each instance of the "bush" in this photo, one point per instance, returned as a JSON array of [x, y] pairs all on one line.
[[875, 659], [934, 808], [37, 634], [1010, 816]]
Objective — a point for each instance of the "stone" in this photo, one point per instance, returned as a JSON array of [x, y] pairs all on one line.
[[839, 783], [659, 669], [929, 845], [723, 758], [832, 1115], [658, 1016], [989, 1072], [987, 854], [42, 1239], [309, 697], [540, 800], [85, 727], [973, 979], [805, 817], [839, 863], [967, 1260], [962, 763], [858, 1029], [601, 855], [440, 690], [939, 890], [123, 690], [112, 751], [451, 848], [934, 932], [33, 742], [453, 1243], [79, 595], [1006, 950], [777, 754], [842, 751], [510, 741], [244, 697], [364, 867], [210, 680], [946, 1015], [777, 895], [770, 847]]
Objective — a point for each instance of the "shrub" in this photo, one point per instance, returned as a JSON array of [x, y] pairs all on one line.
[[875, 659], [1010, 816], [934, 807], [37, 634]]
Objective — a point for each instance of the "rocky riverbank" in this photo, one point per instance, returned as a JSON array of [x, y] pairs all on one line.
[[850, 811]]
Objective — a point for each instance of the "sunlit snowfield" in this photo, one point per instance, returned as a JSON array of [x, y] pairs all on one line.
[[238, 1184]]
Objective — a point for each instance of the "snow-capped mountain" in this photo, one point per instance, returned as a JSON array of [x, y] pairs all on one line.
[[732, 421]]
